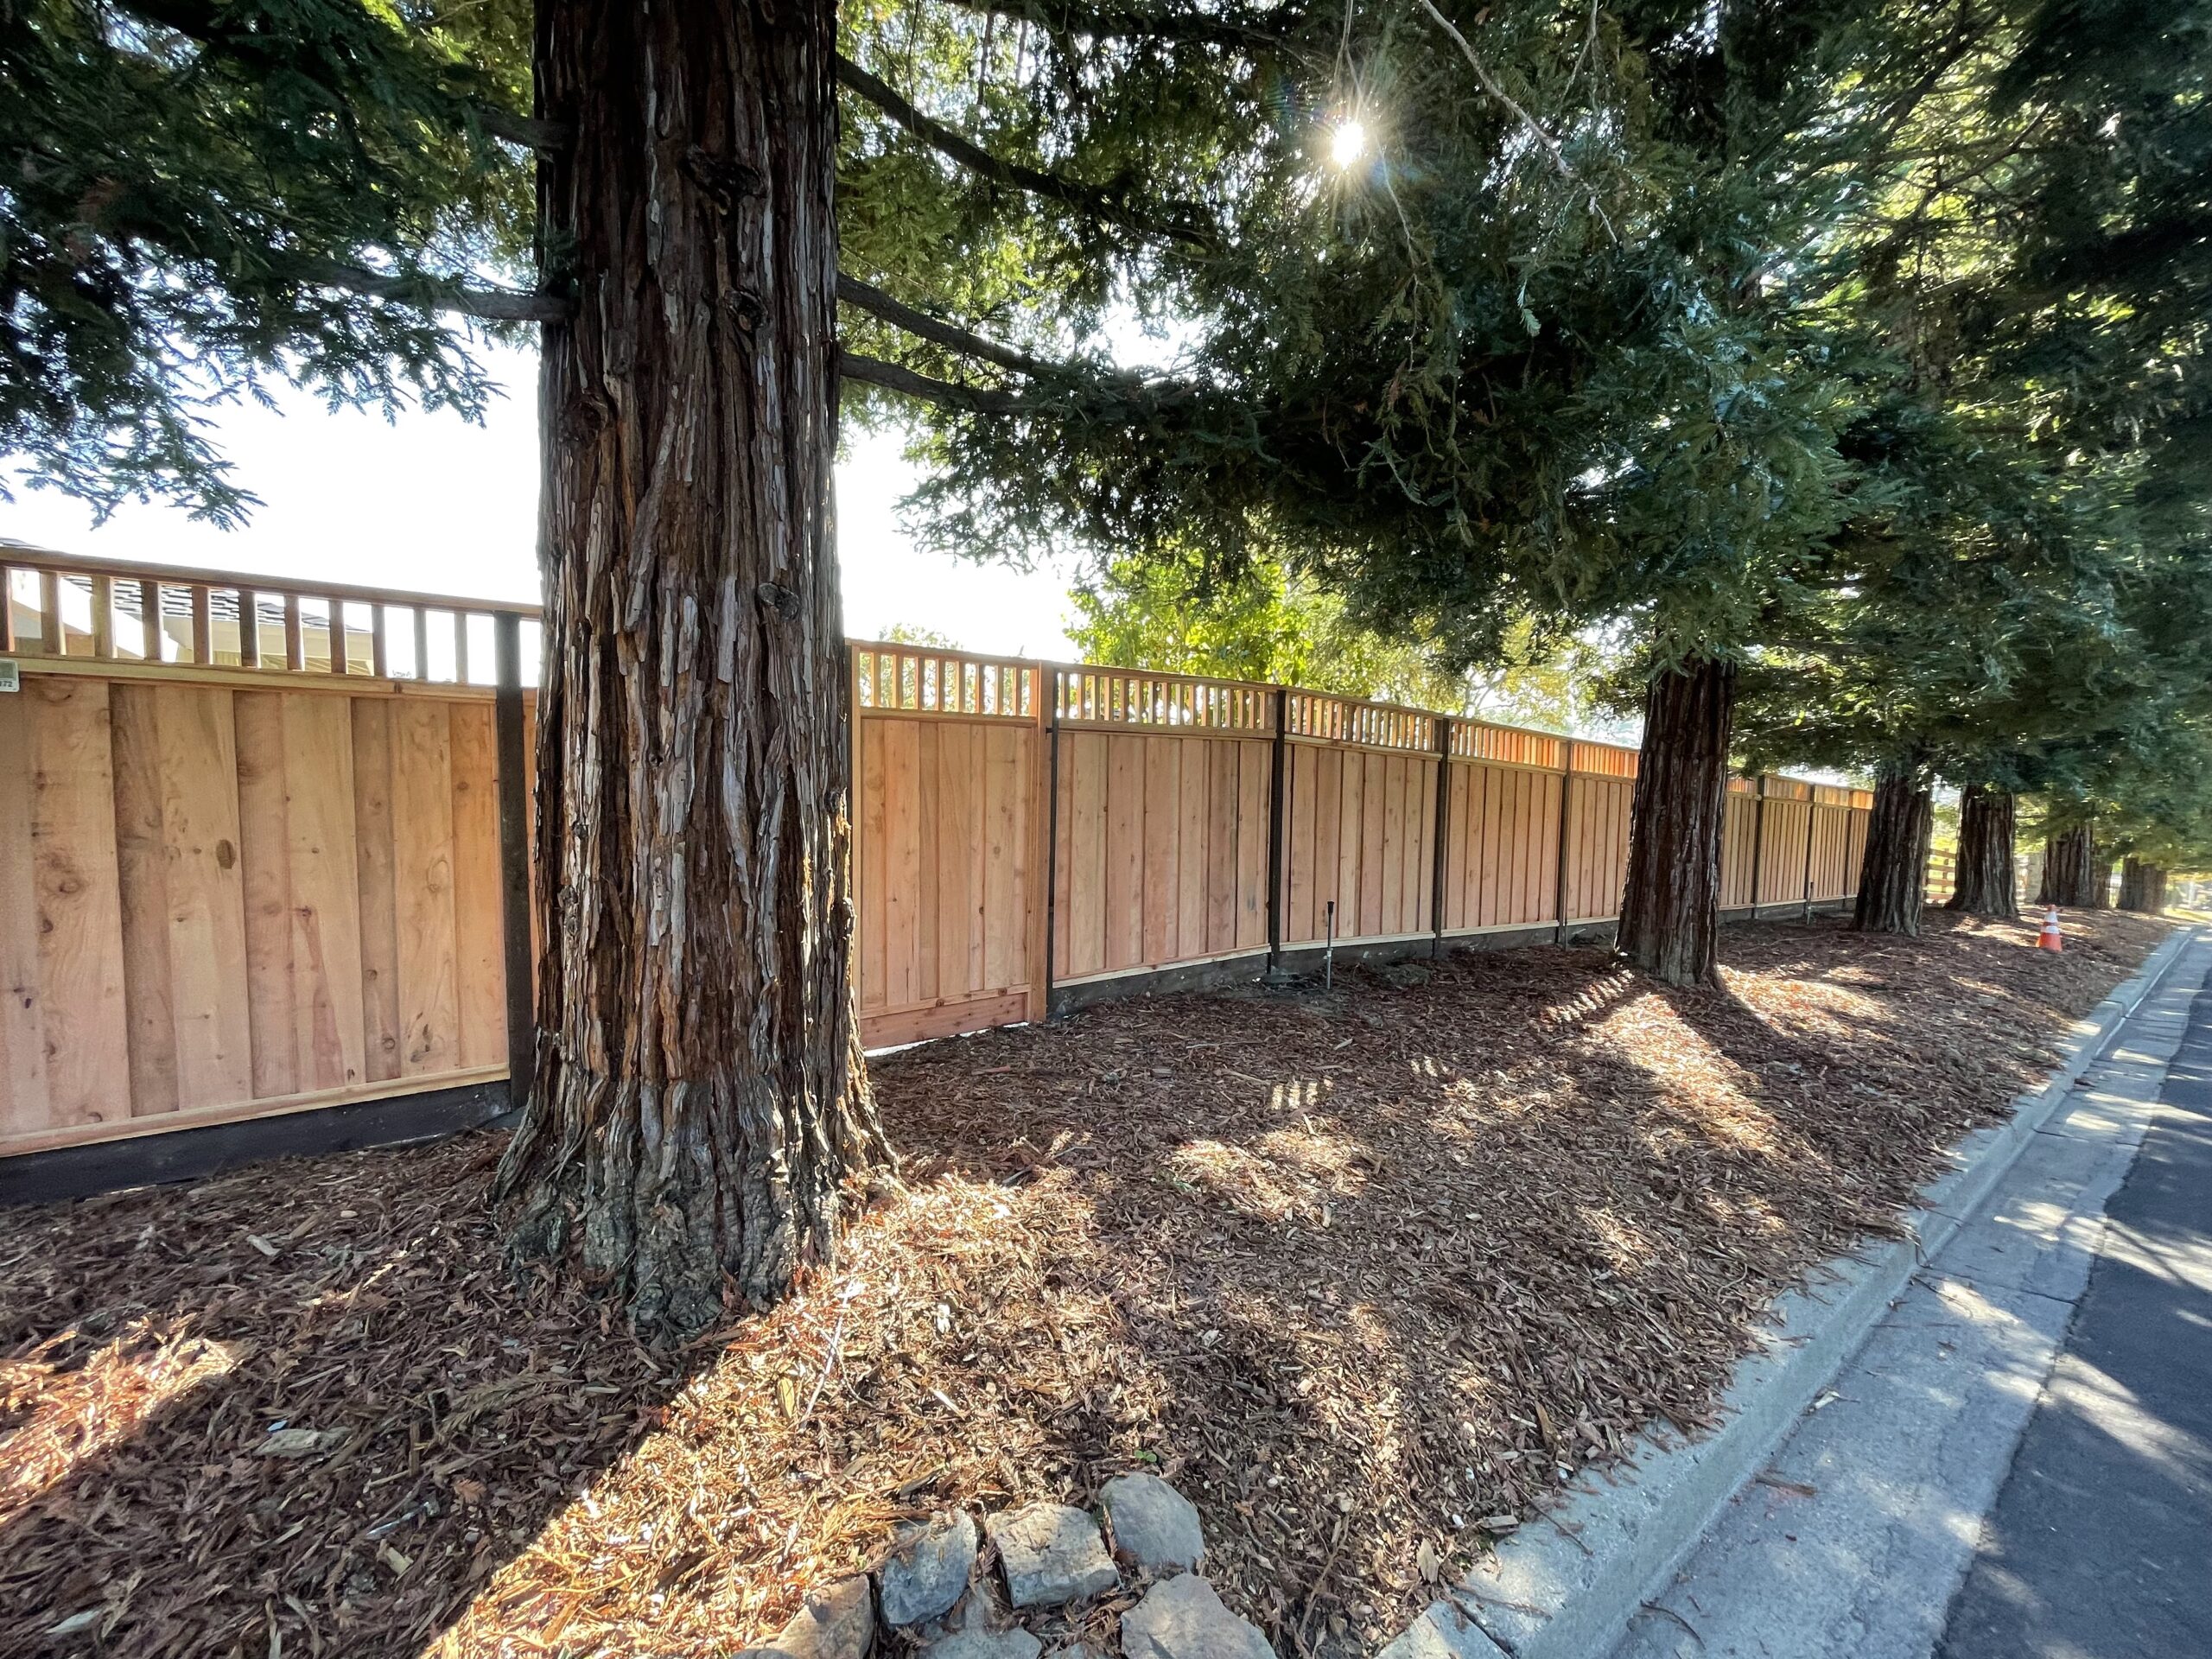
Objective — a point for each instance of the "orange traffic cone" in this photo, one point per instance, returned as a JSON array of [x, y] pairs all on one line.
[[2049, 939]]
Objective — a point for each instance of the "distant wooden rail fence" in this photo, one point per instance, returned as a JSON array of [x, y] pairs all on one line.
[[263, 843]]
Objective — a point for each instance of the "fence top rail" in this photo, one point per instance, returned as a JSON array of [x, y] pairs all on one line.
[[1085, 694], [892, 678], [1331, 717], [21, 556]]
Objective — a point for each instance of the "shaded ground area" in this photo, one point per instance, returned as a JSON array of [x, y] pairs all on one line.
[[1369, 1275]]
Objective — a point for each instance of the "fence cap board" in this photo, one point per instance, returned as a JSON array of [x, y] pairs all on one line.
[[22, 555]]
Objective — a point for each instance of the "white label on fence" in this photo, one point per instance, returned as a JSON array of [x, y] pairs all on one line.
[[11, 678]]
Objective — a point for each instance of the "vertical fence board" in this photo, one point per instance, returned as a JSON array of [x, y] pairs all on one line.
[[480, 943], [1252, 764], [1193, 801], [1163, 823], [1124, 852], [382, 1032], [142, 870], [264, 847], [23, 1102], [79, 907], [326, 893], [422, 834]]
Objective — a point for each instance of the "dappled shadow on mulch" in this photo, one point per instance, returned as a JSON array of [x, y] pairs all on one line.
[[1370, 1274]]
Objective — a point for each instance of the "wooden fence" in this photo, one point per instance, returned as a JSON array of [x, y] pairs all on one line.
[[249, 868]]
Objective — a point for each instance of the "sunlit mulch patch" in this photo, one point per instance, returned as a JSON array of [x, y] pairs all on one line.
[[1369, 1275]]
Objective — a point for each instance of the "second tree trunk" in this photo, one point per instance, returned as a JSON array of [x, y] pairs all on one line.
[[1893, 876], [2069, 863], [1670, 912], [1985, 886]]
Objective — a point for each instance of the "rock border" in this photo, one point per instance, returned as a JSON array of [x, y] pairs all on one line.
[[1552, 1593]]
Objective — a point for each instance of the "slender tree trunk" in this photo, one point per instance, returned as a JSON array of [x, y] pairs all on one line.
[[2069, 870], [1893, 875], [700, 1094], [2142, 886], [1986, 885], [1670, 912]]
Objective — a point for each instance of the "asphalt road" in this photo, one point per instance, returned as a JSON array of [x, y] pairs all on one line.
[[2099, 1546]]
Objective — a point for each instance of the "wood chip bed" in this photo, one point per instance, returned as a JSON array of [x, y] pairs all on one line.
[[1369, 1275]]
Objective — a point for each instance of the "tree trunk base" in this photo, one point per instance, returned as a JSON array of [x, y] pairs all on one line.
[[1986, 885], [1893, 875], [1670, 909]]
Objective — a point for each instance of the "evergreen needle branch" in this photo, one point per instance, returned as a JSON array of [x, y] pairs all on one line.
[[1266, 29], [1187, 225], [1535, 128]]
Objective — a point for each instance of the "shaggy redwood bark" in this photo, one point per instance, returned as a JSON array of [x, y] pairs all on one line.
[[2142, 886], [1986, 885], [1893, 874], [2069, 870], [1671, 910], [700, 1094]]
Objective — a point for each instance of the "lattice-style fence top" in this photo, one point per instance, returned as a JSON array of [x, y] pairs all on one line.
[[923, 680], [1113, 697], [139, 616], [1475, 740], [1604, 759], [1349, 720]]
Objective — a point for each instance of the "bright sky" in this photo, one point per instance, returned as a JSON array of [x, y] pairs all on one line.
[[434, 504]]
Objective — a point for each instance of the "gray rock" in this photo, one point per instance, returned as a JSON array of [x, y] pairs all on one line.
[[928, 1568], [1181, 1617], [836, 1623], [972, 1643], [1155, 1527], [1050, 1553]]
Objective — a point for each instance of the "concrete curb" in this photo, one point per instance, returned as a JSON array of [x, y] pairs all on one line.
[[1567, 1592]]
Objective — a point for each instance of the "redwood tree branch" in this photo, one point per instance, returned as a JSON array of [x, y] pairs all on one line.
[[524, 130], [485, 304], [892, 377], [877, 303], [1186, 224]]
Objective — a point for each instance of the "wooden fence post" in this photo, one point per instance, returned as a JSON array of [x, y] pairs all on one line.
[[1048, 820], [1812, 826], [1565, 811], [7, 612], [1443, 825], [1759, 840], [1278, 820], [514, 856]]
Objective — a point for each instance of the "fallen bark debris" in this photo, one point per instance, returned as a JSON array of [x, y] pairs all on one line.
[[1369, 1275]]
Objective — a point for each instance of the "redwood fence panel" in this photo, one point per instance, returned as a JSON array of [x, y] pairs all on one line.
[[246, 867], [256, 850]]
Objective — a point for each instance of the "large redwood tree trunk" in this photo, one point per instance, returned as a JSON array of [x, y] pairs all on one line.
[[2100, 863], [2142, 886], [1671, 910], [2069, 870], [1986, 884], [1893, 874], [700, 1096]]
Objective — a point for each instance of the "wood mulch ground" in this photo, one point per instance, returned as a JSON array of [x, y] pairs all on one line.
[[1369, 1275]]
